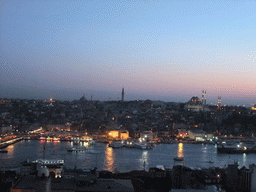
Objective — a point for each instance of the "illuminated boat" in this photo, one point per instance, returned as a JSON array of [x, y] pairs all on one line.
[[116, 144], [236, 150], [142, 146]]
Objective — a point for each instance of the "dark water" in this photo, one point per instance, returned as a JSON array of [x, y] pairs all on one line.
[[123, 159]]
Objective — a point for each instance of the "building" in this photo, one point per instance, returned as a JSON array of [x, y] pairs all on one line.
[[196, 105], [147, 135], [252, 182], [6, 129], [232, 175], [155, 172], [31, 183], [74, 180], [198, 134], [117, 134], [211, 188]]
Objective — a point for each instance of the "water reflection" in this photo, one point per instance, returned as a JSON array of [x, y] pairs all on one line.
[[122, 160], [244, 159], [144, 159], [204, 148], [10, 150], [109, 160], [180, 150]]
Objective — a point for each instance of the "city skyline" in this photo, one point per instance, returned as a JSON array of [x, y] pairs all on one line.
[[158, 50]]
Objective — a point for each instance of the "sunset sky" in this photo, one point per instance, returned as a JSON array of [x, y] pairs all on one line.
[[155, 49]]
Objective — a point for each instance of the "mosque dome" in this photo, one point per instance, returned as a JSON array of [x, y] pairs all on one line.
[[194, 101]]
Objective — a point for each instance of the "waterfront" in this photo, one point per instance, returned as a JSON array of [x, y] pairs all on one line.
[[123, 159]]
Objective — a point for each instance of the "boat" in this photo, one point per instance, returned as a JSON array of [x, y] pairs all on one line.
[[3, 151], [116, 144], [178, 158], [77, 149], [142, 146], [236, 150]]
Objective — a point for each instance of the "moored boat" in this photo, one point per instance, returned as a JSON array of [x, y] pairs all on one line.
[[142, 146], [236, 150], [116, 144]]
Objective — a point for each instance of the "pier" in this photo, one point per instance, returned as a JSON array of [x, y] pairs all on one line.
[[5, 144]]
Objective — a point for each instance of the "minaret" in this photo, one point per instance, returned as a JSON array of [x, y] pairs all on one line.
[[219, 103], [203, 97], [122, 94]]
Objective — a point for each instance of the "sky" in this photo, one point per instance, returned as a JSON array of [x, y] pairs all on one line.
[[156, 49]]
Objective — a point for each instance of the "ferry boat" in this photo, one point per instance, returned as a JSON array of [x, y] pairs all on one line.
[[236, 150], [142, 146], [116, 144]]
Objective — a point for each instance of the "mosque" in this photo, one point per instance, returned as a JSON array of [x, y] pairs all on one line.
[[196, 105]]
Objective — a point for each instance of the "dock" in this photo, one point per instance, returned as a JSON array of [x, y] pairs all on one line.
[[9, 142]]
